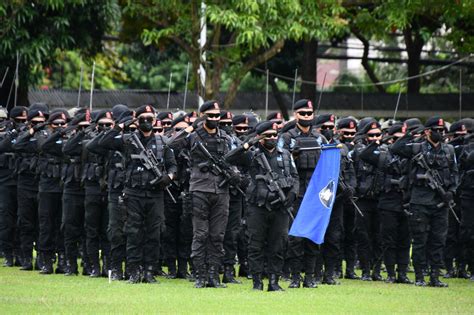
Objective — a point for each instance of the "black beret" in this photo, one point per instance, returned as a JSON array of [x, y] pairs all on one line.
[[324, 118], [59, 113], [18, 111], [264, 126], [226, 114], [164, 115], [458, 126], [288, 126], [347, 122], [252, 120], [104, 113], [118, 109], [208, 106], [469, 122], [192, 114], [304, 103], [435, 121], [397, 127], [240, 119], [125, 116], [413, 123], [38, 110], [183, 118], [144, 109], [363, 122], [275, 115], [369, 126]]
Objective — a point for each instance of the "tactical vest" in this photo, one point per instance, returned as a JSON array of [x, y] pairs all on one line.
[[137, 176], [215, 144], [368, 176], [116, 167], [392, 168], [307, 160]]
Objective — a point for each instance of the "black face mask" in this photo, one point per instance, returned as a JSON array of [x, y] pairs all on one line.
[[145, 126], [227, 129], [270, 144], [436, 136], [305, 122], [346, 139], [327, 133], [211, 124]]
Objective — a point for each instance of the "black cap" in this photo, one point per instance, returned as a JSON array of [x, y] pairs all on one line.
[[264, 126], [208, 106], [469, 122], [303, 103], [324, 118], [275, 115], [288, 126], [60, 113], [125, 116], [192, 114], [435, 122], [144, 109], [252, 120], [104, 113], [369, 126], [164, 115], [363, 122], [413, 123], [226, 115], [38, 110], [347, 122], [118, 109], [240, 119], [183, 118], [397, 127], [458, 126], [18, 111]]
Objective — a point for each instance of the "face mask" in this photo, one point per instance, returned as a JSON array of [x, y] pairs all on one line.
[[227, 129], [270, 143], [305, 122], [328, 134], [436, 136], [145, 126], [211, 124]]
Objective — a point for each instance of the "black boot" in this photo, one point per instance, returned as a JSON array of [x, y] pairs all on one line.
[[229, 275], [116, 273], [27, 264], [295, 281], [159, 269], [309, 281], [462, 273], [273, 283], [201, 278], [61, 267], [182, 272], [350, 273], [244, 270], [450, 271], [213, 279], [171, 269], [434, 279], [402, 275], [149, 276], [329, 278], [390, 274], [8, 261], [376, 276], [95, 268], [135, 275], [47, 264], [86, 268], [105, 267], [71, 267], [419, 277], [257, 282]]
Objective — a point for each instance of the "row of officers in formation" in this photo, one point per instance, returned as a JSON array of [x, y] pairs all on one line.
[[129, 191]]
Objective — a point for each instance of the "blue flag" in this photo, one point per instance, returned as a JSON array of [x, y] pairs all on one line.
[[315, 209]]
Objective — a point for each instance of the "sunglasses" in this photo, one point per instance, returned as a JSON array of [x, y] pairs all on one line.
[[225, 124], [437, 129], [305, 113], [241, 128], [132, 129], [373, 135], [145, 119], [36, 122], [270, 135], [178, 129], [158, 129], [325, 127], [105, 125], [20, 121], [210, 115], [348, 133], [278, 122], [166, 123], [58, 124]]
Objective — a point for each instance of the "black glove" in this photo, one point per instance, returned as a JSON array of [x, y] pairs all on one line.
[[198, 121], [290, 199], [448, 197], [67, 129], [235, 179], [164, 181], [296, 150], [38, 127], [244, 183]]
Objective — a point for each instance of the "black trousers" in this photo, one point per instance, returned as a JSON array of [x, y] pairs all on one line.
[[301, 252], [467, 231], [27, 220], [232, 229], [454, 243], [429, 228], [73, 224], [8, 219], [268, 233], [50, 209], [210, 213], [143, 229], [349, 240], [395, 238], [96, 220], [116, 228], [243, 235], [369, 238], [331, 248]]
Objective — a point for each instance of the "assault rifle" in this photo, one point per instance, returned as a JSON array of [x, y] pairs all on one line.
[[344, 187], [149, 160], [434, 180]]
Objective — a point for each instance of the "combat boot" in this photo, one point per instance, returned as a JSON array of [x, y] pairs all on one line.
[[116, 274], [329, 278], [105, 267], [201, 277], [8, 261], [295, 281], [27, 264], [71, 267], [257, 282], [135, 275], [376, 276], [434, 280], [159, 269], [47, 265], [61, 267], [95, 269], [309, 281], [171, 263], [419, 277], [366, 276], [273, 283], [462, 273], [244, 270], [402, 275], [390, 274], [350, 274], [86, 268], [148, 275], [213, 280], [182, 272], [450, 271], [229, 275]]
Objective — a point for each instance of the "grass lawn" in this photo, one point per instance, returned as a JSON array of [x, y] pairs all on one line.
[[29, 292]]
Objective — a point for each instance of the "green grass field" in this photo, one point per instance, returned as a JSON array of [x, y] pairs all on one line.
[[29, 292]]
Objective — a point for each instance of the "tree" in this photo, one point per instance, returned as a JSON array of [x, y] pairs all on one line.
[[37, 29], [241, 34]]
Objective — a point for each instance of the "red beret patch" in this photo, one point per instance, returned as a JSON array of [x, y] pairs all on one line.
[[440, 122], [278, 116], [351, 124], [40, 113], [88, 115], [374, 125], [331, 118], [108, 115], [148, 109], [310, 104]]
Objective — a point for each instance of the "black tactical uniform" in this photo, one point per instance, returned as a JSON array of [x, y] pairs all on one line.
[[267, 217], [394, 221], [302, 253], [210, 195], [143, 195], [8, 187], [429, 219]]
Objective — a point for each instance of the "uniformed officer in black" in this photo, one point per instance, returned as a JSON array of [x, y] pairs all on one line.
[[346, 130], [302, 253], [210, 193], [393, 219], [26, 147], [143, 196], [368, 190], [8, 185], [51, 239], [268, 221], [429, 219]]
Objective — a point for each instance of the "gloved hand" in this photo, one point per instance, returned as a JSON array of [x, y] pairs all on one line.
[[290, 199], [64, 131], [197, 122], [295, 151], [244, 183], [448, 197], [164, 181], [38, 127], [235, 179]]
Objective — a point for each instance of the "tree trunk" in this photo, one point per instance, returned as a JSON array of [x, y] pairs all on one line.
[[309, 69], [278, 97], [414, 44]]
